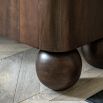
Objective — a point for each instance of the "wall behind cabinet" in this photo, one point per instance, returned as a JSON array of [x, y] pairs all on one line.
[[9, 18]]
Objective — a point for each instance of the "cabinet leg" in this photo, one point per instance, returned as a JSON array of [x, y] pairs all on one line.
[[93, 53], [58, 71]]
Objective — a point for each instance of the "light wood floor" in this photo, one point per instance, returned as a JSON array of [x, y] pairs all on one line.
[[19, 82]]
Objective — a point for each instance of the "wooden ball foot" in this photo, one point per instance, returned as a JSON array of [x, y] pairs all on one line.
[[58, 71], [93, 53]]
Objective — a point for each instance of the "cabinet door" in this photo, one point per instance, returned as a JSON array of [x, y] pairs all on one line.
[[9, 18]]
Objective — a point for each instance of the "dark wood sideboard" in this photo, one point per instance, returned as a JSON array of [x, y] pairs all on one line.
[[57, 28]]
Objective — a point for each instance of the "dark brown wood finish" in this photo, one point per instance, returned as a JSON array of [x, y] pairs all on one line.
[[62, 25], [55, 26], [59, 71], [29, 22], [9, 18], [86, 21], [93, 53], [52, 25]]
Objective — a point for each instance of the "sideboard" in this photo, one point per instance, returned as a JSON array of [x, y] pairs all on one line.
[[57, 28]]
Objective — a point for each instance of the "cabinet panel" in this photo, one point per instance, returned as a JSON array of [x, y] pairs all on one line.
[[61, 25], [29, 22], [52, 25], [55, 25], [68, 24], [86, 21]]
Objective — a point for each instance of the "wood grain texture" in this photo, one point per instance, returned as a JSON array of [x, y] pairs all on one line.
[[9, 18], [62, 25], [52, 25], [55, 23], [29, 22], [86, 21], [48, 25]]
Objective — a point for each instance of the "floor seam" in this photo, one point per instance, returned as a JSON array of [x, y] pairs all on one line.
[[15, 54], [18, 78]]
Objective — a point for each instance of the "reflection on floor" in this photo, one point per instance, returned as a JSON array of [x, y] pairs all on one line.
[[19, 82], [96, 98]]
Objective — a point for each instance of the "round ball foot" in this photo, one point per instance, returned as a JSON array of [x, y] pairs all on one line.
[[93, 53], [58, 71]]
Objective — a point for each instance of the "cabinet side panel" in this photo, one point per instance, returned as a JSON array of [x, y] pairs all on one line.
[[9, 18], [29, 22], [68, 24]]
